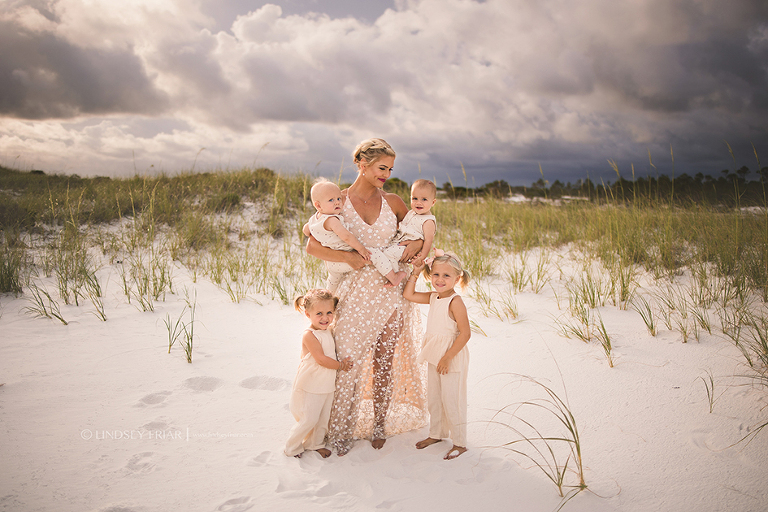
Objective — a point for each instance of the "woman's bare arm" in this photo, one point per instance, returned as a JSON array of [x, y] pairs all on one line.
[[429, 236], [316, 249], [397, 205], [412, 247]]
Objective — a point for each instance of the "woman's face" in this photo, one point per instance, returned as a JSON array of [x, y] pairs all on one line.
[[378, 172]]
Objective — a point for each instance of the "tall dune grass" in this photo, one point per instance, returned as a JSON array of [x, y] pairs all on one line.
[[700, 264]]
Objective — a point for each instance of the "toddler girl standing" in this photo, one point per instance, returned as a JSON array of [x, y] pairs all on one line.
[[445, 349], [315, 381]]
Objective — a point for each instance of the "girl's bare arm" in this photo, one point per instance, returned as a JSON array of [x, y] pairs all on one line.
[[458, 310], [410, 293], [313, 346]]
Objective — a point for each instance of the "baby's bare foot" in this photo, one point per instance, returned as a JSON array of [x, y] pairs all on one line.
[[395, 280], [426, 442]]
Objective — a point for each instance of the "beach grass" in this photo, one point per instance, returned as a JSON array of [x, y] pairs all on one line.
[[691, 268]]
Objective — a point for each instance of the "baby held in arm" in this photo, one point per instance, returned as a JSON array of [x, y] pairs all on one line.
[[328, 227], [419, 223]]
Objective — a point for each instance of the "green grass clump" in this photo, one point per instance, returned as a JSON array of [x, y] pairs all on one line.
[[13, 255]]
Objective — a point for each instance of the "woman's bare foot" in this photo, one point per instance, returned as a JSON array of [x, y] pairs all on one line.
[[458, 451], [378, 444], [426, 442], [324, 452]]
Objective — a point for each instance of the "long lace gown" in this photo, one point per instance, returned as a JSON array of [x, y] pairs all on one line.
[[383, 394]]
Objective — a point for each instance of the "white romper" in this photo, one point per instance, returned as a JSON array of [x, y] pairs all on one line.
[[446, 394], [311, 399]]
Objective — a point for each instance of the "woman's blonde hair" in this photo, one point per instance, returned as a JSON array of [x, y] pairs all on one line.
[[371, 150], [455, 263], [303, 302]]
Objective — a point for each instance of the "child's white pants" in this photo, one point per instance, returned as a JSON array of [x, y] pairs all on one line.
[[447, 404], [312, 412]]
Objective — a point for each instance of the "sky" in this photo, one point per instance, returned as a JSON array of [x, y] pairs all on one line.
[[493, 89]]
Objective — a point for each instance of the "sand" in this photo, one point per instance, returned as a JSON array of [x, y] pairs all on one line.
[[98, 416]]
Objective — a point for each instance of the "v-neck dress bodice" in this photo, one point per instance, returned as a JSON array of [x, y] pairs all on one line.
[[378, 234]]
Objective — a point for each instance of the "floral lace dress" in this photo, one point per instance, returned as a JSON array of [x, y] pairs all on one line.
[[383, 394]]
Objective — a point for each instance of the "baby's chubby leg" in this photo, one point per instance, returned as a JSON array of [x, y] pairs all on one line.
[[386, 267]]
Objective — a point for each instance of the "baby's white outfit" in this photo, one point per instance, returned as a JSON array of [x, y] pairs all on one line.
[[446, 394], [311, 399], [336, 269], [327, 238], [412, 226]]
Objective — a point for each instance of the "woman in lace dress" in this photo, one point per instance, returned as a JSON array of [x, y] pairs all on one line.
[[383, 395]]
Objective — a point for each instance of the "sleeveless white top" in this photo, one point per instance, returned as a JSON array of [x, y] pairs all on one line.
[[412, 226], [326, 237], [311, 377], [441, 333]]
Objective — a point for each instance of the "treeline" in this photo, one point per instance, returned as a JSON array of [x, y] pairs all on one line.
[[731, 188]]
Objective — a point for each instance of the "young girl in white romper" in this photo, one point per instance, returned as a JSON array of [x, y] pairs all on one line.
[[315, 382], [445, 350]]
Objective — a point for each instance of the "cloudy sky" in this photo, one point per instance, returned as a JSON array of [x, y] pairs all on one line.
[[115, 87]]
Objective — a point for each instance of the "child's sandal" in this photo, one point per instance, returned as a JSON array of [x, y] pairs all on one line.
[[458, 449]]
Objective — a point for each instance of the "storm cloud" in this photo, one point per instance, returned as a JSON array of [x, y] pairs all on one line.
[[499, 86], [43, 76]]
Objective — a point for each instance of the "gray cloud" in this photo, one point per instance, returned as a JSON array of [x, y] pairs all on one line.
[[43, 76], [499, 86]]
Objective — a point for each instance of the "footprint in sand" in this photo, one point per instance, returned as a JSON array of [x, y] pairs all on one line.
[[155, 425], [261, 459], [153, 399], [339, 495], [141, 463], [236, 504], [290, 483], [265, 383], [203, 384], [702, 439]]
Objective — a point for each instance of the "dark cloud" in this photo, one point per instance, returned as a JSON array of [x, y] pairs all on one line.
[[43, 77], [500, 86]]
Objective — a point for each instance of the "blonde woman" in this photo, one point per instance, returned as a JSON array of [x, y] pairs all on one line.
[[384, 393]]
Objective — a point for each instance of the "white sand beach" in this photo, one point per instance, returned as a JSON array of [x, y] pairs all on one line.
[[98, 416]]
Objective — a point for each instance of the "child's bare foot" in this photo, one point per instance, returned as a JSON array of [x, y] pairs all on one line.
[[426, 442], [324, 452], [395, 280], [454, 452], [378, 444]]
